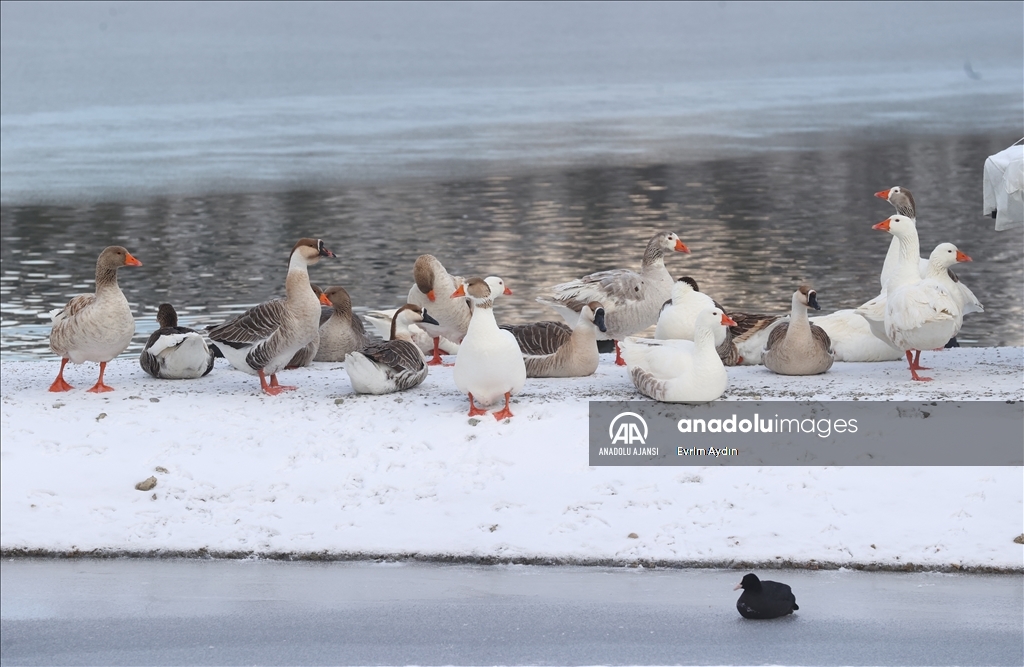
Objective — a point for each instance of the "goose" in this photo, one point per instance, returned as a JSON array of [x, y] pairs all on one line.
[[764, 599], [552, 349], [342, 332], [680, 371], [489, 364], [632, 301], [852, 338], [173, 352], [677, 319], [903, 200], [384, 367], [262, 340], [307, 354], [798, 347], [453, 315], [95, 327], [381, 321]]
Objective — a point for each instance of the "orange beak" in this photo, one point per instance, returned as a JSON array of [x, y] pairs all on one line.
[[130, 261], [728, 321], [430, 295], [324, 301], [459, 292], [884, 194], [508, 291], [681, 247], [883, 225], [962, 257]]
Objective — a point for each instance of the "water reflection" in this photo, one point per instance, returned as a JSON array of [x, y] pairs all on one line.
[[756, 227]]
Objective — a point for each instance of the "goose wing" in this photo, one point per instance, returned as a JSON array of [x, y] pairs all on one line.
[[254, 326], [615, 288], [399, 355], [540, 338]]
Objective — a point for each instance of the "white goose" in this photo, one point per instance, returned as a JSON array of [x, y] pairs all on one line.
[[552, 349], [632, 301], [173, 352], [342, 332], [95, 327], [263, 339], [489, 364], [381, 321], [798, 347], [393, 365], [678, 317], [852, 338], [680, 371], [434, 281]]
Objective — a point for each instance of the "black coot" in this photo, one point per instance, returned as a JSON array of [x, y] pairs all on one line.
[[764, 599]]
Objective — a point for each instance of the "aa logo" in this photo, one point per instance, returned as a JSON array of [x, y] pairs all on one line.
[[631, 429]]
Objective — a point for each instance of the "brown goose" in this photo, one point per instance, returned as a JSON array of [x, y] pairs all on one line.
[[173, 352], [798, 347], [552, 349], [384, 367], [95, 327], [263, 339], [342, 332], [433, 289]]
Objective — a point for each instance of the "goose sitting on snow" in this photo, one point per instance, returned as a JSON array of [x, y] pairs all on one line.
[[632, 301], [263, 339], [173, 352], [342, 332], [798, 347], [95, 327], [489, 365], [679, 315], [384, 367], [680, 371], [381, 321], [552, 349], [852, 338], [433, 286]]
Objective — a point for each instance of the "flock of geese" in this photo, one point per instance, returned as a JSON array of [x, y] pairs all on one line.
[[920, 307]]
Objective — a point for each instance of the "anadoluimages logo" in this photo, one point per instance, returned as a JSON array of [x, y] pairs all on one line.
[[628, 431]]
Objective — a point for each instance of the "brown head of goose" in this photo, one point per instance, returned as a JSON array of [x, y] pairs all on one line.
[[798, 347], [263, 339], [393, 365], [552, 349], [95, 327], [173, 352]]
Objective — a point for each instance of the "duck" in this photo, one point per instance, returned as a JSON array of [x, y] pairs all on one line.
[[341, 332], [677, 318], [762, 600], [262, 340], [173, 352], [380, 320], [632, 300], [680, 371], [552, 349], [95, 327], [432, 279], [798, 347], [307, 355], [489, 365], [397, 364], [915, 312]]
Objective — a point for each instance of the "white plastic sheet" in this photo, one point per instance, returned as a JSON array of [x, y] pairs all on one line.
[[1004, 187]]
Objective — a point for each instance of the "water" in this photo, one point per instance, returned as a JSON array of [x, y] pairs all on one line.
[[535, 143]]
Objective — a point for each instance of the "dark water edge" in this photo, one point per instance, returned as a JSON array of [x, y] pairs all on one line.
[[758, 225]]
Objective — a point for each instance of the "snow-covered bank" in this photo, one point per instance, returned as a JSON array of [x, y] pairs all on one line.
[[321, 472]]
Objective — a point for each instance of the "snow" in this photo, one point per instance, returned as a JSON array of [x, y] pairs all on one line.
[[323, 473]]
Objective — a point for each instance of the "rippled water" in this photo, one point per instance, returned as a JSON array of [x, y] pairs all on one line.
[[757, 227]]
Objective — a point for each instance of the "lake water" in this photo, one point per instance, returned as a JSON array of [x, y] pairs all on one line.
[[535, 143]]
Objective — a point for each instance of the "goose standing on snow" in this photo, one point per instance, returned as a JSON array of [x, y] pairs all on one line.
[[342, 332], [680, 371], [678, 316], [798, 347], [632, 301], [384, 367], [489, 365], [262, 340], [552, 349], [173, 352], [433, 286], [95, 327]]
